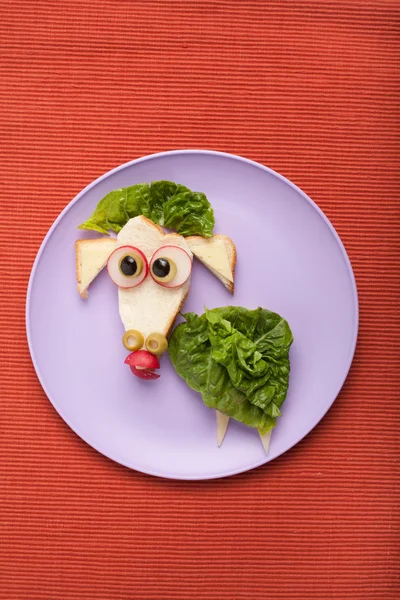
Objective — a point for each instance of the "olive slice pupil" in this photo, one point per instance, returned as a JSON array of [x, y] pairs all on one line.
[[161, 267], [128, 266]]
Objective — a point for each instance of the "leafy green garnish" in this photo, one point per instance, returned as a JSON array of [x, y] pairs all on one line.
[[238, 359], [166, 203]]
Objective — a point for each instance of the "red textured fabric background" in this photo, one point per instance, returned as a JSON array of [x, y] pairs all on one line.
[[309, 88]]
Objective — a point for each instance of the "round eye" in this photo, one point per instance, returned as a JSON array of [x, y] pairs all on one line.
[[130, 266], [127, 266], [170, 266], [163, 269], [132, 340]]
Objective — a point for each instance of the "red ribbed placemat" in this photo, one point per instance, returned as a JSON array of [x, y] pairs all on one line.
[[310, 89]]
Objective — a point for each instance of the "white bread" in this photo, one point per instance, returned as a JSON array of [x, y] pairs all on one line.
[[91, 258], [218, 254], [149, 307]]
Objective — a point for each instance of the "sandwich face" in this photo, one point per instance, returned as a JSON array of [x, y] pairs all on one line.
[[151, 307]]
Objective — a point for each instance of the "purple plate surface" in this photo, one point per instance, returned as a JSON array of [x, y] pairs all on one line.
[[290, 260]]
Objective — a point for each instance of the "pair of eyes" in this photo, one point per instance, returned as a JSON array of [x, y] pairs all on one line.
[[170, 266]]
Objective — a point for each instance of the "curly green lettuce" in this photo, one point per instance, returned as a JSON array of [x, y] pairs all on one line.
[[166, 203], [238, 359]]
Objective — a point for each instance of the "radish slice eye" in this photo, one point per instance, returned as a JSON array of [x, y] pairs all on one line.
[[127, 266], [170, 266]]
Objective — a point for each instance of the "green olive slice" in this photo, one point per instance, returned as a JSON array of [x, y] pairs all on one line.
[[156, 343], [170, 266], [131, 264], [132, 340], [163, 269]]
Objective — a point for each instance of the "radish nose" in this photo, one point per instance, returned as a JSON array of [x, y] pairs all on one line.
[[143, 364], [142, 359]]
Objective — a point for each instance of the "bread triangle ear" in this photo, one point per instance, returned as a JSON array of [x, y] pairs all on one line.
[[91, 258], [218, 254]]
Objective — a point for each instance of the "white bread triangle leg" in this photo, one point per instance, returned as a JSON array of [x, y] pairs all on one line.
[[222, 425], [265, 440]]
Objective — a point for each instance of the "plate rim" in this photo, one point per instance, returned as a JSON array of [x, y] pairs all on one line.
[[217, 153]]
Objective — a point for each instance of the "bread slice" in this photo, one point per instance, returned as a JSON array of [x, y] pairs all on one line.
[[218, 254], [150, 307], [91, 258]]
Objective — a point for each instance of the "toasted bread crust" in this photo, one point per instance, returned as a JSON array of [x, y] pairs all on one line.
[[151, 223], [233, 256], [230, 286]]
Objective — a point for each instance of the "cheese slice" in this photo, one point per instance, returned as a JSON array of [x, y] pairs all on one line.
[[215, 253], [91, 258]]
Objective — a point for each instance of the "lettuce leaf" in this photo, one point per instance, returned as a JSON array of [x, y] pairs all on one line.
[[166, 203], [238, 359]]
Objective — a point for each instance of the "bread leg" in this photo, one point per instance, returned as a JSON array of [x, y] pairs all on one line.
[[265, 440], [222, 425]]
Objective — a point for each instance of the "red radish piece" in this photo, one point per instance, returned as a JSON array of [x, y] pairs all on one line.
[[182, 261], [144, 373], [142, 359], [142, 364], [114, 267]]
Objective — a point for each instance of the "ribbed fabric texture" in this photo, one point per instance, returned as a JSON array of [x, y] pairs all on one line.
[[309, 88]]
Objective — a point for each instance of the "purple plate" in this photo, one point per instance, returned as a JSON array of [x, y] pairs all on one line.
[[290, 260]]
